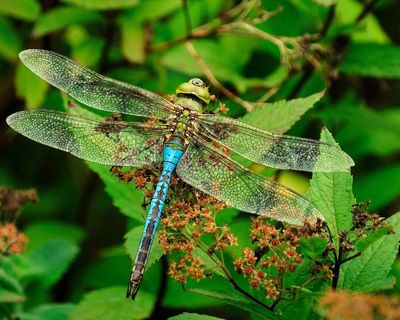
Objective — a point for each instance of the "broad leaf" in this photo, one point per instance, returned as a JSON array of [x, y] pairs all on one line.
[[369, 29], [61, 17], [180, 60], [132, 241], [21, 9], [193, 316], [50, 261], [10, 43], [103, 4], [331, 193], [133, 40], [382, 186], [7, 296], [279, 117], [239, 301], [372, 60], [49, 312], [111, 304], [370, 271], [40, 233], [313, 247], [365, 242], [126, 197], [30, 87], [86, 48]]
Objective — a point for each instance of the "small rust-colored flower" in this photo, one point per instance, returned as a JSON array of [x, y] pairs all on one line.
[[11, 240]]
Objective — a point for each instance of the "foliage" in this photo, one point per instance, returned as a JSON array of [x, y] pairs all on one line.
[[286, 65]]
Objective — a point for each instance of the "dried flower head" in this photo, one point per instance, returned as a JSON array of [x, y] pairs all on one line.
[[346, 305], [11, 240]]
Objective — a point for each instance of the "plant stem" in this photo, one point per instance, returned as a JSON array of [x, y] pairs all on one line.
[[367, 9], [351, 258], [232, 281], [336, 270]]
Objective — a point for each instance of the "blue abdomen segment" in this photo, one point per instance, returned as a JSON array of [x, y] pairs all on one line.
[[173, 151]]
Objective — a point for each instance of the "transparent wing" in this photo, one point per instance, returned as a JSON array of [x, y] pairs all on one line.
[[107, 142], [278, 151], [93, 89], [206, 169]]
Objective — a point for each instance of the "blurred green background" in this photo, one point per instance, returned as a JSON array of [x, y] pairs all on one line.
[[348, 47]]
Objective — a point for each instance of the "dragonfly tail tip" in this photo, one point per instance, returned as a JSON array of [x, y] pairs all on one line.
[[132, 290]]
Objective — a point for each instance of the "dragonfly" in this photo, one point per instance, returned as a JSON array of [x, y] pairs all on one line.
[[182, 136]]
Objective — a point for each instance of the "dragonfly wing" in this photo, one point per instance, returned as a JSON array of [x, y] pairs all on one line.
[[278, 151], [93, 89], [208, 170], [107, 142]]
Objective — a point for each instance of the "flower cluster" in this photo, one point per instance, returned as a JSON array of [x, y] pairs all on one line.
[[189, 223], [188, 227], [346, 305], [12, 241], [276, 252], [365, 222]]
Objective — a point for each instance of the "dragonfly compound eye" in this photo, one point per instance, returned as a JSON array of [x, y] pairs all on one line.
[[197, 82]]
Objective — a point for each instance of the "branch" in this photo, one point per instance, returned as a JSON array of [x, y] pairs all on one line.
[[249, 106], [367, 9]]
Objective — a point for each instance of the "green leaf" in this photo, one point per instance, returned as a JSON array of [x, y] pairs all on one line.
[[21, 9], [126, 197], [208, 262], [193, 316], [86, 48], [7, 296], [326, 3], [54, 311], [10, 43], [372, 60], [279, 117], [331, 193], [365, 242], [355, 134], [381, 186], [368, 29], [238, 301], [180, 60], [39, 233], [133, 40], [30, 87], [132, 241], [61, 17], [151, 10], [111, 304], [50, 261], [103, 4], [370, 271], [313, 247]]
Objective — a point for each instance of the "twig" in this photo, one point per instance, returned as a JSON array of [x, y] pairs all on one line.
[[328, 22], [249, 106], [367, 9], [350, 258], [232, 281]]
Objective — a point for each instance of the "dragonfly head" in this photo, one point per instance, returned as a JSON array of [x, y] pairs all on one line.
[[195, 87]]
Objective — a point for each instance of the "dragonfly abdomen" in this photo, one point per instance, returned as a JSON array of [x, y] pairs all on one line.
[[173, 151]]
